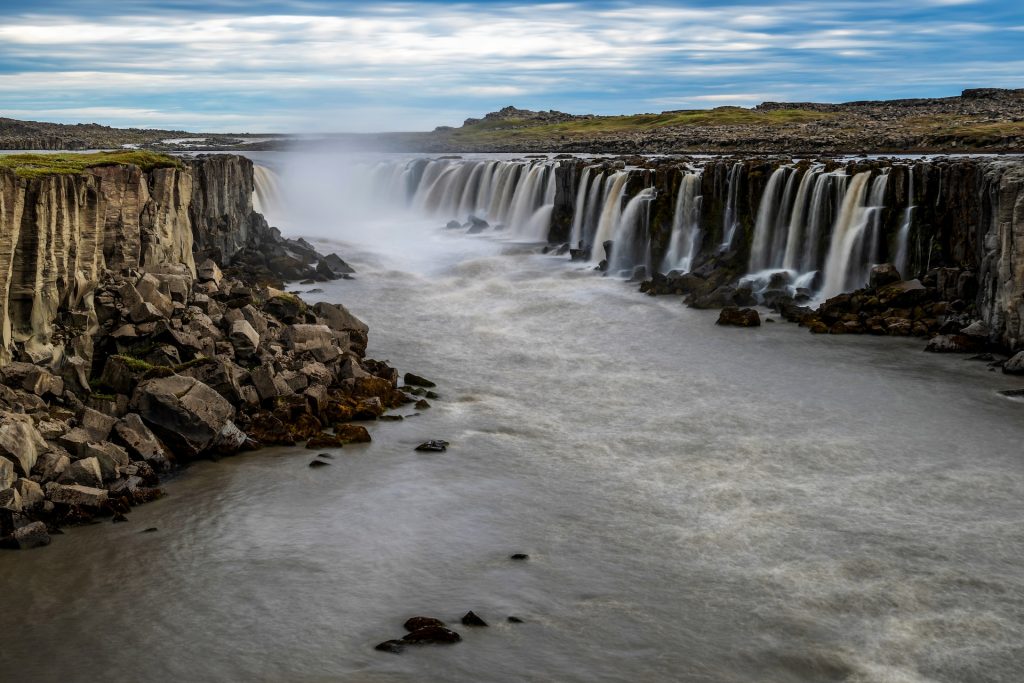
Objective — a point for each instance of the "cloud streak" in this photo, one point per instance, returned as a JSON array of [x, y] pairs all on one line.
[[225, 65]]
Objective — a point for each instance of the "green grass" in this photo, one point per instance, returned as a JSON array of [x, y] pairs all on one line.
[[42, 165], [721, 116]]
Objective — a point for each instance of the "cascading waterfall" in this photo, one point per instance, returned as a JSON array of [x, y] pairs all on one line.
[[827, 185], [903, 236], [731, 220], [267, 195], [855, 234], [579, 215], [686, 231], [632, 239], [798, 219], [610, 215], [768, 217]]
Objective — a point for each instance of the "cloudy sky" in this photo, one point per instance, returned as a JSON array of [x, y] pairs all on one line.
[[305, 65]]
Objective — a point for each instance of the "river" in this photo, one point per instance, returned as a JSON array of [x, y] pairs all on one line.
[[699, 503]]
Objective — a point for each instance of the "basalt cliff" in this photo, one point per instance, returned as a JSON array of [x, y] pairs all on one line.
[[143, 326], [927, 247]]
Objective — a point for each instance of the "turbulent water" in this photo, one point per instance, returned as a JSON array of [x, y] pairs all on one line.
[[699, 504]]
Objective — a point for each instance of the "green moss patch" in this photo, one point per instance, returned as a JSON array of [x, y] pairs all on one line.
[[42, 165]]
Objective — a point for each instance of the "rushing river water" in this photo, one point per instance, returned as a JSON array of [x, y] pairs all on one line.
[[699, 504]]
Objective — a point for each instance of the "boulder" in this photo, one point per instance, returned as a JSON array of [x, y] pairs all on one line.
[[32, 378], [209, 271], [434, 446], [188, 415], [20, 441], [48, 467], [352, 433], [30, 536], [954, 343], [31, 492], [432, 635], [151, 292], [10, 500], [75, 494], [142, 443], [244, 338], [110, 457], [883, 274], [739, 317], [417, 381], [471, 619], [416, 623], [96, 424], [315, 339], [86, 471], [1015, 366]]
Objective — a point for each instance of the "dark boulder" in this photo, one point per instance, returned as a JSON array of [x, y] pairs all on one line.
[[432, 635], [471, 619], [739, 317], [435, 446]]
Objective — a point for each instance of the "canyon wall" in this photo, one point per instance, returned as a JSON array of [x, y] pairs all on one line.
[[60, 233]]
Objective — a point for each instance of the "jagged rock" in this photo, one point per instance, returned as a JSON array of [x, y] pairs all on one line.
[[86, 471], [32, 378], [96, 424], [20, 442], [10, 500], [435, 446], [150, 290], [471, 619], [145, 312], [110, 457], [75, 494], [209, 271], [315, 339], [1015, 366], [30, 536], [368, 409], [31, 492], [142, 443], [75, 441], [417, 381], [739, 317], [49, 466], [244, 338], [977, 329], [186, 414]]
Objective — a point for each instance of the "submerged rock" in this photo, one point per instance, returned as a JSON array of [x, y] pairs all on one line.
[[471, 619], [432, 635], [417, 623], [417, 381], [437, 446]]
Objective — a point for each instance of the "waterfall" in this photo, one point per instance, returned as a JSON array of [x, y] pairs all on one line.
[[731, 222], [798, 219], [819, 218], [595, 201], [632, 244], [855, 235], [610, 214], [686, 232], [767, 220], [903, 237], [580, 210], [266, 195]]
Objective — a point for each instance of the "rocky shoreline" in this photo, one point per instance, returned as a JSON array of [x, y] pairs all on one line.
[[122, 371]]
